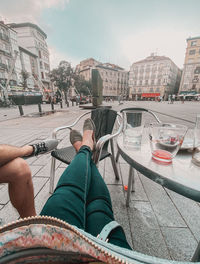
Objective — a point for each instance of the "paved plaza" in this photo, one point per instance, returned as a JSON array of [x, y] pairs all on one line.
[[158, 222]]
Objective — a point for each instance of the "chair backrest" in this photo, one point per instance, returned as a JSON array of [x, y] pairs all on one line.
[[137, 118], [104, 119]]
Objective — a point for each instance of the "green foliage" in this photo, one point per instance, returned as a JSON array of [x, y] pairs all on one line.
[[25, 76], [84, 87], [63, 75]]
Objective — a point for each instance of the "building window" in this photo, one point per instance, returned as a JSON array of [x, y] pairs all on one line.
[[42, 75], [193, 43], [146, 82], [40, 56], [190, 60], [194, 87], [192, 52], [197, 70]]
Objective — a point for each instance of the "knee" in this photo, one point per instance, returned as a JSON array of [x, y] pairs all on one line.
[[22, 170]]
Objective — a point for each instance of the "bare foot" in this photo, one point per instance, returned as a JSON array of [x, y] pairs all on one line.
[[88, 139], [77, 145]]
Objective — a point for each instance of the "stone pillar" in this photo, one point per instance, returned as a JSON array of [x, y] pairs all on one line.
[[21, 110], [39, 108], [97, 88]]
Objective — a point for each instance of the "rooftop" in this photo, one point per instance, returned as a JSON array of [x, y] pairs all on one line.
[[27, 24], [193, 38], [152, 58]]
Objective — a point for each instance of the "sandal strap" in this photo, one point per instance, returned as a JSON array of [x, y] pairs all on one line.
[[107, 230]]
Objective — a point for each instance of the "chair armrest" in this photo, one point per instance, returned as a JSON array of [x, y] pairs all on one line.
[[104, 139], [155, 116], [55, 131]]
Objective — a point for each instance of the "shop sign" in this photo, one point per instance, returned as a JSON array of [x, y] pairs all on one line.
[[150, 94]]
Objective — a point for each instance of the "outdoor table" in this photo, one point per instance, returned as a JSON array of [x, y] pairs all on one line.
[[181, 175]]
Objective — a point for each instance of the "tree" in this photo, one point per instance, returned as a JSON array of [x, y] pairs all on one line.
[[25, 76], [84, 87], [61, 76]]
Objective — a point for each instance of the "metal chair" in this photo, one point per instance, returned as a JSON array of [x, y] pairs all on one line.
[[104, 119], [131, 170]]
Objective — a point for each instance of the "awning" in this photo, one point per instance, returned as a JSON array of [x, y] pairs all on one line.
[[150, 94], [17, 88], [188, 93]]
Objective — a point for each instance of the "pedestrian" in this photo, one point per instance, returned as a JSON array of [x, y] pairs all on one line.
[[173, 98], [119, 99], [183, 99], [15, 171], [169, 99]]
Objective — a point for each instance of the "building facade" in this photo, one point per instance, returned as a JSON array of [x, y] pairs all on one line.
[[7, 77], [190, 82], [115, 78], [17, 66], [33, 39], [29, 67], [155, 76], [85, 68]]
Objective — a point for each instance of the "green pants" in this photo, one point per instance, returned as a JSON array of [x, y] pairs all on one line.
[[81, 198]]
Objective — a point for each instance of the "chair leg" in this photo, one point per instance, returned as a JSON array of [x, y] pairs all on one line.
[[117, 156], [52, 175], [115, 167], [196, 256], [133, 181], [113, 160], [130, 181]]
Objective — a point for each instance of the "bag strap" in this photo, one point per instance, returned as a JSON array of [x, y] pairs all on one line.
[[107, 230]]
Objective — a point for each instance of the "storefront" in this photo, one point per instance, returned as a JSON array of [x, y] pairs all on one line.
[[189, 95], [150, 96]]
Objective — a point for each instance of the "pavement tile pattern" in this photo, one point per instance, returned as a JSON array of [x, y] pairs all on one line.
[[158, 222]]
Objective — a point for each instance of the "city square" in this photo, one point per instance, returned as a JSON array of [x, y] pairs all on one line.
[[100, 88], [158, 222]]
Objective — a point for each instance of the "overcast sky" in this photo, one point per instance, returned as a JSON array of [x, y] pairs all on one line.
[[116, 31]]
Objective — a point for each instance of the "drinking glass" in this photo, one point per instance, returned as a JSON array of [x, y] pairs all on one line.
[[133, 128], [166, 140], [197, 131], [196, 152]]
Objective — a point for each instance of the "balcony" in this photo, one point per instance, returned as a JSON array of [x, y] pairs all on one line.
[[7, 53], [3, 66], [4, 37]]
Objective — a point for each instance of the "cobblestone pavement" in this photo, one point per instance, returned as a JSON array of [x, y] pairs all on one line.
[[158, 222]]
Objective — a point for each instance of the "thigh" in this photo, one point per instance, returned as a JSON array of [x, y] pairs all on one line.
[[69, 198], [99, 210], [11, 169]]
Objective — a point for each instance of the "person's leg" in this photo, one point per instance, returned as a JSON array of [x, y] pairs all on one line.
[[69, 198], [99, 210], [9, 153], [18, 176]]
